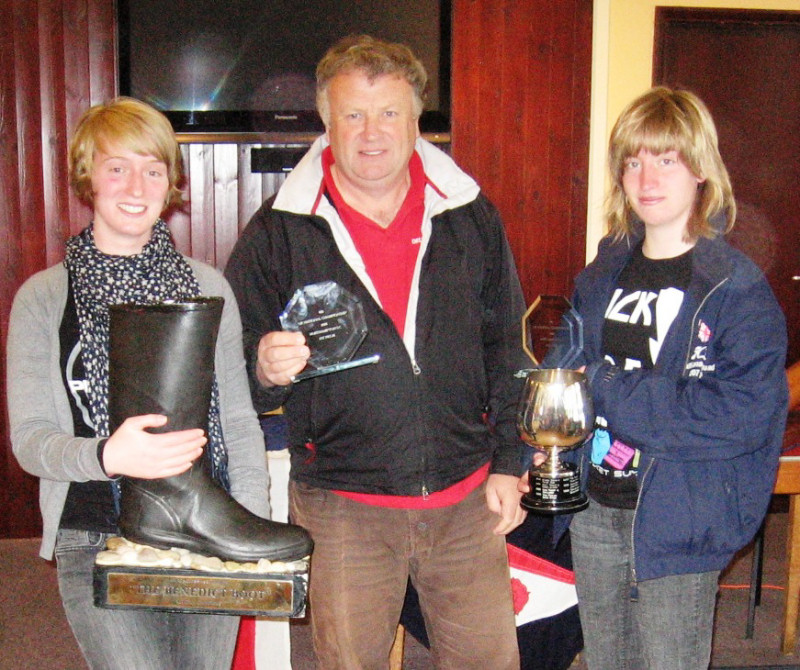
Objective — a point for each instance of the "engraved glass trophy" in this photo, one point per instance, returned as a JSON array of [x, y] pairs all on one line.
[[332, 320], [555, 412]]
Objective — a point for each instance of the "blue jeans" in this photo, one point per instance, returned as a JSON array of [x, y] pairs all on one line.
[[669, 626], [363, 557], [135, 639]]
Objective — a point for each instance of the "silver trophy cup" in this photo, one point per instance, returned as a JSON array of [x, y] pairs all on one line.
[[555, 414]]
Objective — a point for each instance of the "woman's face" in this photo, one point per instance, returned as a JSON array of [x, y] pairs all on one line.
[[661, 189], [130, 192]]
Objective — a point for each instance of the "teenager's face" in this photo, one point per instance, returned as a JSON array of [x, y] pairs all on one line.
[[130, 191], [661, 189], [372, 129]]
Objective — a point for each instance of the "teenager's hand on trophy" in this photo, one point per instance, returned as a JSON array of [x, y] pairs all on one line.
[[281, 355], [133, 451]]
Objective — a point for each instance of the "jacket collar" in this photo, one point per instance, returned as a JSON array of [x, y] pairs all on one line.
[[448, 184], [711, 260]]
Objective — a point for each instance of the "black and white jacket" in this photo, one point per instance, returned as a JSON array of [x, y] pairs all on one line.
[[442, 400]]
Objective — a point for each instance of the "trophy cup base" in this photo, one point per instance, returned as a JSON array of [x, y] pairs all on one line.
[[554, 492], [552, 508], [277, 590]]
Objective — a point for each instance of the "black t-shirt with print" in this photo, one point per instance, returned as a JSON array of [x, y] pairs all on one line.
[[643, 306], [89, 505]]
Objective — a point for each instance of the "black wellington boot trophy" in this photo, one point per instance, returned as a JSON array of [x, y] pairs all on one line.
[[161, 361]]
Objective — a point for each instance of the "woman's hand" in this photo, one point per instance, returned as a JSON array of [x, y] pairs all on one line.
[[132, 451]]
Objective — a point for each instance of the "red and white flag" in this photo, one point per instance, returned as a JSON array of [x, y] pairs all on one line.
[[540, 588]]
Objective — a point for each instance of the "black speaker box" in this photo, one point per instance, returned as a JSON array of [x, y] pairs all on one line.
[[276, 159]]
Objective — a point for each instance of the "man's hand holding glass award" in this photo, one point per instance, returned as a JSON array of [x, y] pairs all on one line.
[[555, 411], [333, 323]]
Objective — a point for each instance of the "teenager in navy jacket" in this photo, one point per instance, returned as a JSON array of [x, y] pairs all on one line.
[[684, 350]]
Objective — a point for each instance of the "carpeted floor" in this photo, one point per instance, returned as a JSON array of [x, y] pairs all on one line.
[[731, 648], [34, 632]]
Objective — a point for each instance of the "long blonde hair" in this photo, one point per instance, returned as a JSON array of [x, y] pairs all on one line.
[[660, 120]]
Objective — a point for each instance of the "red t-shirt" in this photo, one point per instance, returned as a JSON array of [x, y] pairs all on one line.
[[390, 256]]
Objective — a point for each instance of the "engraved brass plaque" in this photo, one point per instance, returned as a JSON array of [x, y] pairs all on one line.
[[176, 590]]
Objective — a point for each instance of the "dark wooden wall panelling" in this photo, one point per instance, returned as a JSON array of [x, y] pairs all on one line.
[[520, 126], [56, 58], [521, 74]]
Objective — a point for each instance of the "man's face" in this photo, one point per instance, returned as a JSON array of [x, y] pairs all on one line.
[[372, 129]]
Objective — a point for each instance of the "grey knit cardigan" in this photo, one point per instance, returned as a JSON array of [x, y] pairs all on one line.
[[42, 434]]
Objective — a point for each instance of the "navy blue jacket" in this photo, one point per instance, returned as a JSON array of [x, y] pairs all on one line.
[[708, 419]]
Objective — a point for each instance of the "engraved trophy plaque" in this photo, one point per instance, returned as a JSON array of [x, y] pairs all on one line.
[[555, 411], [332, 320], [127, 575]]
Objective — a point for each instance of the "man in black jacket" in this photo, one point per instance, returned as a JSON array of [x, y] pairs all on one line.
[[407, 467]]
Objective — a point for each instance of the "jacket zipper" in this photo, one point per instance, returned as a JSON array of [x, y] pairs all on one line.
[[417, 371], [634, 594]]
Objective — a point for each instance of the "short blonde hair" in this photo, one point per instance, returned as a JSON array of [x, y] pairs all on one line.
[[661, 120], [374, 58], [133, 125]]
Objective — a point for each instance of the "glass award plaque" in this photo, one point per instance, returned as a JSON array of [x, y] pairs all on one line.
[[332, 320], [551, 324]]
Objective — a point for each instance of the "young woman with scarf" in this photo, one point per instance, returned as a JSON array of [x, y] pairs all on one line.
[[126, 164]]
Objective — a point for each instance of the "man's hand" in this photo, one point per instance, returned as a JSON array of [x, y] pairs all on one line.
[[523, 483], [133, 451], [281, 355], [502, 497]]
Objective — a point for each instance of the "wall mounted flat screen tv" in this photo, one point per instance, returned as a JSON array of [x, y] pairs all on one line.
[[248, 65]]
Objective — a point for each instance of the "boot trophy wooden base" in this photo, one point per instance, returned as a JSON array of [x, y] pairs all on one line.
[[135, 576]]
